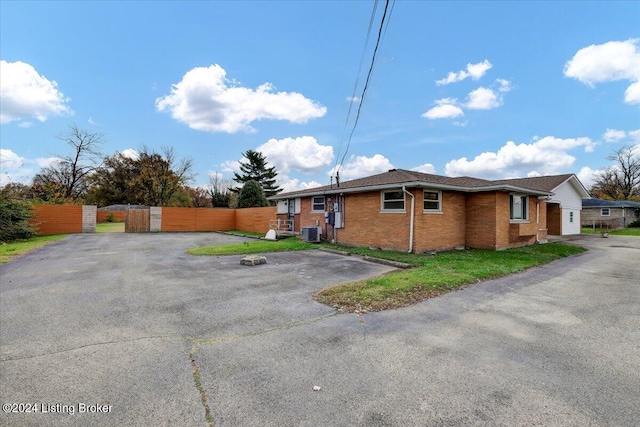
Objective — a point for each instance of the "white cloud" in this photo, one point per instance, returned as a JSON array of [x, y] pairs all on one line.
[[206, 100], [475, 71], [25, 93], [613, 135], [611, 61], [230, 166], [45, 162], [545, 156], [445, 108], [359, 166], [25, 125], [587, 176], [632, 94], [294, 184], [461, 124], [483, 99], [10, 160], [505, 85], [635, 135], [130, 153], [353, 99], [303, 154], [426, 168]]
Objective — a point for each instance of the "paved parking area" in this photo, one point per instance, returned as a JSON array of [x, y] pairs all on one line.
[[123, 320]]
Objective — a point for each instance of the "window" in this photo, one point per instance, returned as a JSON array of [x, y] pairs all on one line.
[[570, 216], [432, 200], [317, 204], [519, 207], [393, 201], [605, 212]]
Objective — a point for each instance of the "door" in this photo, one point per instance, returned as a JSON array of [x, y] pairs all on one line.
[[137, 221], [291, 211]]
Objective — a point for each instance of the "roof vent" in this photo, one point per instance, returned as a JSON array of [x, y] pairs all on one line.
[[392, 170]]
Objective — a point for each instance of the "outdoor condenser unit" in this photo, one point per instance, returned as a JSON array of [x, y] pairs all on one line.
[[311, 234]]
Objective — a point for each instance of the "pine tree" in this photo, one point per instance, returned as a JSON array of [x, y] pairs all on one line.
[[256, 170]]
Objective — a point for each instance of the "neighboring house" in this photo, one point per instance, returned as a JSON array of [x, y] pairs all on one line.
[[565, 205], [412, 211], [613, 213]]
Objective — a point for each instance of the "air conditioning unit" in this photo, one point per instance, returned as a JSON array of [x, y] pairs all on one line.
[[311, 234]]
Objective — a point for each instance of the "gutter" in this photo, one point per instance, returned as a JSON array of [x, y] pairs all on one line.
[[413, 206]]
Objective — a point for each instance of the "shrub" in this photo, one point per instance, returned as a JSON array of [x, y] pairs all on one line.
[[111, 217], [14, 220], [635, 223]]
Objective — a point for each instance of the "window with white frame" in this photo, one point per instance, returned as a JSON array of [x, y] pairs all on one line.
[[317, 204], [605, 212], [518, 207], [393, 201], [432, 201]]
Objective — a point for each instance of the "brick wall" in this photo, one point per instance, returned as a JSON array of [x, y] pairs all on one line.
[[480, 229], [436, 231], [57, 219]]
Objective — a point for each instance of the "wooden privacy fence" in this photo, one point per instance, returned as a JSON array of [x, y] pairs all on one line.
[[62, 219]]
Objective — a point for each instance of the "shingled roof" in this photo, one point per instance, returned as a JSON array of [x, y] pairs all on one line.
[[399, 177], [600, 203]]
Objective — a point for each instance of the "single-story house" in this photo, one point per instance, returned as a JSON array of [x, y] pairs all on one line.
[[416, 212], [564, 206], [611, 213]]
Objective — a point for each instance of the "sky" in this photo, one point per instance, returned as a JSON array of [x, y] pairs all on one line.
[[485, 89]]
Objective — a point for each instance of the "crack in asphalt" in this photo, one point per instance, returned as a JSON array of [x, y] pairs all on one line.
[[89, 345]]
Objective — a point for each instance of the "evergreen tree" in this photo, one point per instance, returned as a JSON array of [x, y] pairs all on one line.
[[256, 170], [252, 196]]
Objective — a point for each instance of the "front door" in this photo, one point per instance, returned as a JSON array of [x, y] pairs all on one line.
[[291, 209]]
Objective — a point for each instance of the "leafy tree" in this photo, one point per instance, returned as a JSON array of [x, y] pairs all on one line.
[[14, 219], [252, 196], [621, 181], [199, 197], [219, 190], [71, 172], [256, 170], [152, 179]]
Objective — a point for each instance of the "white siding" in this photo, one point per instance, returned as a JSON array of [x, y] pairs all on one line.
[[282, 207], [570, 201]]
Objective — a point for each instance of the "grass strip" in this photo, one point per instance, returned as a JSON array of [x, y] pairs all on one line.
[[617, 232], [8, 251], [254, 247], [110, 227], [435, 275]]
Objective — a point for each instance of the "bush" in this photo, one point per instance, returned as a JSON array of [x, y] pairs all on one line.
[[635, 224], [252, 196], [14, 220], [111, 217]]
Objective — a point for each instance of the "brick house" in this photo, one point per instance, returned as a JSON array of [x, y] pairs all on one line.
[[609, 213], [412, 211]]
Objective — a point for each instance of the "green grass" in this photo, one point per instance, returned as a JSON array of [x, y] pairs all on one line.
[[245, 233], [618, 232], [258, 246], [435, 275], [8, 251], [110, 227]]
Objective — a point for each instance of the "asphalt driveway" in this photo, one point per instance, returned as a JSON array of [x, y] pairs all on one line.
[[122, 321]]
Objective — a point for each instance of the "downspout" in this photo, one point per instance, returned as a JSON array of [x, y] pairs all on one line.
[[538, 220], [413, 206]]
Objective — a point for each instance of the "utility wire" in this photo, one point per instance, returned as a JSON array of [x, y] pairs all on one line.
[[355, 86], [366, 84]]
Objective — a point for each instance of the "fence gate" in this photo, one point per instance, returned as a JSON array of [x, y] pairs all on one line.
[[137, 221]]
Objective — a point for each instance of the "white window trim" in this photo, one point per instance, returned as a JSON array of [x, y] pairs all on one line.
[[432, 211], [524, 220], [602, 211], [324, 204], [404, 201]]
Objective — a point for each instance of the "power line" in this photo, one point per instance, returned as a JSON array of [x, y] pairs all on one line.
[[382, 28]]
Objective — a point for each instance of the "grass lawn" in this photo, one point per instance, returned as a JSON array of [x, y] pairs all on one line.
[[259, 246], [435, 275], [8, 251], [110, 227], [619, 232]]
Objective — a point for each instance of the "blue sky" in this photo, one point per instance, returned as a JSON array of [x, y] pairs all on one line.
[[486, 89]]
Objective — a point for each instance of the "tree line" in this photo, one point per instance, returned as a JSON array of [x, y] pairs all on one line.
[[149, 177]]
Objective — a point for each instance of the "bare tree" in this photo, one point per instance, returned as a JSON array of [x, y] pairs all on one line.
[[621, 181], [71, 172], [219, 190]]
